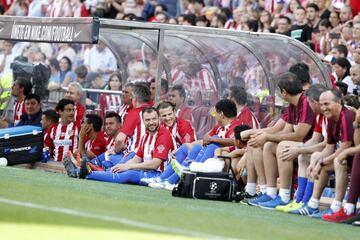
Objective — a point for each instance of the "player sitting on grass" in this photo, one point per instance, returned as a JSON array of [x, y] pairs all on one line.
[[149, 161]]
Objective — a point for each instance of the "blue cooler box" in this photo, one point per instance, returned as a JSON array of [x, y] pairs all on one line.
[[21, 144]]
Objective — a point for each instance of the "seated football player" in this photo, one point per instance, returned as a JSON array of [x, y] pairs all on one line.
[[149, 161]]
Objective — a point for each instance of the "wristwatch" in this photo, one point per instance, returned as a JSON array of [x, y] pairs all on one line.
[[356, 125]]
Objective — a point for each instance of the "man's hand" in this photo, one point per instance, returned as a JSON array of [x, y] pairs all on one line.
[[121, 167], [206, 140], [289, 153], [316, 171], [257, 140], [85, 129]]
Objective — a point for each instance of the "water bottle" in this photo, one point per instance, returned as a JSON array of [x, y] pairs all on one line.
[[45, 155]]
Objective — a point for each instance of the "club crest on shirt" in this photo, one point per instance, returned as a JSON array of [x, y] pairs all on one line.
[[161, 148], [187, 137]]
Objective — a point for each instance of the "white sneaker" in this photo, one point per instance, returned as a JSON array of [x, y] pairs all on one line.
[[157, 185], [169, 186], [147, 181]]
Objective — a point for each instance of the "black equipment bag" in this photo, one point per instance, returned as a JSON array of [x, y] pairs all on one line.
[[220, 186]]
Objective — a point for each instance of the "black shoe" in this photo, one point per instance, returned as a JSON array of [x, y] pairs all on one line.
[[352, 220], [70, 167], [84, 169], [246, 198]]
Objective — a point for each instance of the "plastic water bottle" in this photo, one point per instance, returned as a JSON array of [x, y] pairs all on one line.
[[45, 155]]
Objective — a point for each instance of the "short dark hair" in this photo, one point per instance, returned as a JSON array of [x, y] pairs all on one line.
[[301, 70], [290, 83], [190, 18], [314, 6], [62, 103], [238, 129], [314, 92], [142, 92], [95, 120], [165, 104], [180, 88], [112, 114], [227, 107], [286, 18], [33, 96], [325, 23], [24, 83], [342, 49], [352, 100], [149, 110], [51, 115], [81, 71], [165, 84], [239, 94]]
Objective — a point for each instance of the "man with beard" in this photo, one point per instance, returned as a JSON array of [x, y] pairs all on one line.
[[149, 160], [63, 135]]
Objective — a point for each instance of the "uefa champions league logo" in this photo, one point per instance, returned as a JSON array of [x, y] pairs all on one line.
[[213, 186]]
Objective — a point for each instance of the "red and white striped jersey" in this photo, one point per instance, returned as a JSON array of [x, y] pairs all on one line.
[[19, 109], [321, 123], [202, 80], [183, 132], [178, 76], [109, 102], [123, 110], [62, 138], [134, 127], [245, 116], [231, 25], [79, 112], [158, 145]]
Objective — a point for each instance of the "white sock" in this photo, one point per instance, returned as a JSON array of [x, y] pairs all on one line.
[[271, 191], [250, 188], [349, 208], [314, 203], [336, 205], [263, 189], [284, 194]]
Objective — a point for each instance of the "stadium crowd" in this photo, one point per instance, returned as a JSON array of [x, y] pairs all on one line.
[[130, 139]]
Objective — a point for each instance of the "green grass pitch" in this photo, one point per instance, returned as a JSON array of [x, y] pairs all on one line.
[[40, 205]]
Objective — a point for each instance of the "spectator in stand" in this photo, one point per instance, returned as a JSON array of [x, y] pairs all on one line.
[[111, 102], [198, 7], [37, 8], [313, 17], [101, 60], [301, 31], [48, 119], [177, 96], [63, 135], [346, 14], [324, 29], [18, 8], [161, 17], [74, 93], [355, 36], [173, 20], [218, 21], [81, 73], [66, 74], [323, 11], [201, 21], [334, 19], [189, 19], [33, 113], [6, 58], [355, 78], [341, 68], [356, 55], [265, 21], [65, 50], [54, 80], [283, 25], [292, 6]]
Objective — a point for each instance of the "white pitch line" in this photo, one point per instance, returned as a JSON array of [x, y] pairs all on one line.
[[120, 220]]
